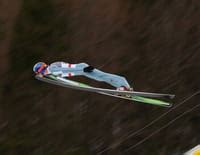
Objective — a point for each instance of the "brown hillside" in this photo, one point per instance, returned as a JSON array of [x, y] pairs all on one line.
[[155, 44]]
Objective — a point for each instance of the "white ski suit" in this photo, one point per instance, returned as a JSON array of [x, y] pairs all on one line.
[[68, 70]]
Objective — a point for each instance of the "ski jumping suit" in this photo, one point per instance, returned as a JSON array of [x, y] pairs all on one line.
[[68, 70]]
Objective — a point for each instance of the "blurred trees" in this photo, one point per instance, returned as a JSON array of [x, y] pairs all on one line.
[[153, 43]]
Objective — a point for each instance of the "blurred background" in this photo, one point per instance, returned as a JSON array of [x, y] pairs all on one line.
[[154, 43]]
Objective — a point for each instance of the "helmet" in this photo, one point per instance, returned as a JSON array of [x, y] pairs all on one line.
[[40, 67]]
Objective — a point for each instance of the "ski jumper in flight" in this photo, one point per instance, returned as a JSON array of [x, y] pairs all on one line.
[[65, 70]]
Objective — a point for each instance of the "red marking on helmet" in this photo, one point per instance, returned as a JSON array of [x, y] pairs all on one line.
[[41, 68]]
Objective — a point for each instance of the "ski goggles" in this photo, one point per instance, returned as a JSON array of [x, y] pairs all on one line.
[[42, 69]]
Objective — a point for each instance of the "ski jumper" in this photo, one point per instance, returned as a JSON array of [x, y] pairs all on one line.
[[68, 70]]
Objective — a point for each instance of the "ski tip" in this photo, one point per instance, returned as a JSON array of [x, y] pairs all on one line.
[[36, 77]]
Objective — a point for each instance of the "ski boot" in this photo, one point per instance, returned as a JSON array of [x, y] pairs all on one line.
[[124, 88]]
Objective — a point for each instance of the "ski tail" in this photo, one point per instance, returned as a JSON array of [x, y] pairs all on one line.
[[141, 99], [154, 95], [153, 101]]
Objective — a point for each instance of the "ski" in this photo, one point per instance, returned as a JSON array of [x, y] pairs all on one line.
[[81, 86], [134, 96], [141, 99]]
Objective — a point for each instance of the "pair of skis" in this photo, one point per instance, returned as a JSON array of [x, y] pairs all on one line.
[[144, 97]]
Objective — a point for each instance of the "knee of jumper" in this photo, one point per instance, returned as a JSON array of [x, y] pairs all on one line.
[[84, 64]]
